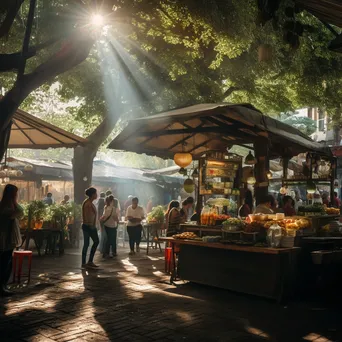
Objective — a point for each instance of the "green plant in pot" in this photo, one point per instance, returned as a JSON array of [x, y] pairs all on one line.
[[37, 210], [156, 215]]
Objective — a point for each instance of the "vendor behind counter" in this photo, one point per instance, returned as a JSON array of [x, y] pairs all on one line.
[[266, 205]]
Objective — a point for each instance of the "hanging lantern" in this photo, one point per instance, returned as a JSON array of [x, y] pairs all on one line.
[[250, 159], [189, 186], [251, 180], [6, 180], [183, 171], [311, 187], [183, 159], [19, 173], [2, 174], [195, 173], [269, 175], [28, 167]]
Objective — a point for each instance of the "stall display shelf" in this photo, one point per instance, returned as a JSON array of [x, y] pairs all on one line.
[[300, 180]]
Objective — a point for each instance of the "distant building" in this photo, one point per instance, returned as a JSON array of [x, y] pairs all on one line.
[[324, 133]]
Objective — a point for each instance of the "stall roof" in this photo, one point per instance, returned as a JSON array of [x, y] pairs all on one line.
[[31, 132], [212, 127], [102, 171]]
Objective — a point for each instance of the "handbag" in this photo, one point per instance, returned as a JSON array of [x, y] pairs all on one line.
[[108, 217]]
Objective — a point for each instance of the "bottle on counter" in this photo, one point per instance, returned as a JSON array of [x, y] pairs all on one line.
[[205, 215]]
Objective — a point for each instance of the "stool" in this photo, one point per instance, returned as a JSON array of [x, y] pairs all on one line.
[[168, 259], [19, 256]]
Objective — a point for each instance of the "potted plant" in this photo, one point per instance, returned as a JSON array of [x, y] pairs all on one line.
[[23, 222], [156, 215], [37, 210]]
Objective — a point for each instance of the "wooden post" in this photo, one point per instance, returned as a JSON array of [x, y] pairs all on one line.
[[332, 179], [199, 196], [261, 168]]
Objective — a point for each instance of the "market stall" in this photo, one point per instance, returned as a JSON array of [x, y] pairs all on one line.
[[262, 271], [220, 247]]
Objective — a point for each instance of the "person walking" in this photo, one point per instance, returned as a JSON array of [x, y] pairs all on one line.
[[10, 238], [89, 229], [110, 220], [134, 215]]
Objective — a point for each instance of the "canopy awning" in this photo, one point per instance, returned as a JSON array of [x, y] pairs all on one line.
[[31, 132], [212, 127]]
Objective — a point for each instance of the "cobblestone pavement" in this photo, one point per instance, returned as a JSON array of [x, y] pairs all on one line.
[[130, 299]]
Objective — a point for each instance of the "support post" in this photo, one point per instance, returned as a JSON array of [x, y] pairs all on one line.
[[261, 167]]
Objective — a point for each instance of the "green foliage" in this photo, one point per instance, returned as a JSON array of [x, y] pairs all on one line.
[[156, 215], [38, 210], [304, 124], [181, 53]]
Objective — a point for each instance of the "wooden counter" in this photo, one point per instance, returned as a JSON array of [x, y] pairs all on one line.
[[266, 272], [250, 249]]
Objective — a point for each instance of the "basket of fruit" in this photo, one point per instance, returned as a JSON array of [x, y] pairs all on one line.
[[220, 219], [186, 236], [232, 225], [332, 211]]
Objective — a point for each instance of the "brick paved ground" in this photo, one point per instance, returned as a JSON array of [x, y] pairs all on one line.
[[130, 299]]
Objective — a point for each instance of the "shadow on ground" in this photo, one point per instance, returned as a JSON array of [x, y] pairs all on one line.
[[130, 299]]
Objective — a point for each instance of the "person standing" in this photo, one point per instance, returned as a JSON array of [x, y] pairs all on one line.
[[65, 200], [265, 205], [288, 207], [89, 215], [110, 220], [101, 203], [127, 203], [134, 215], [337, 201], [10, 212], [103, 235], [48, 199], [173, 219]]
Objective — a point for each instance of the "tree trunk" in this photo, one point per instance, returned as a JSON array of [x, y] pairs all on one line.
[[82, 167], [84, 156]]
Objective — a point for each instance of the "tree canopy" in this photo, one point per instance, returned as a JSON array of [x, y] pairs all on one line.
[[156, 55]]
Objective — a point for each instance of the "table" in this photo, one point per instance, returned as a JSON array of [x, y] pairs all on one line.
[[39, 235], [261, 271]]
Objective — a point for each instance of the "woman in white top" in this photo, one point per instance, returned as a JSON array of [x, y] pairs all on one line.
[[134, 216], [110, 220]]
